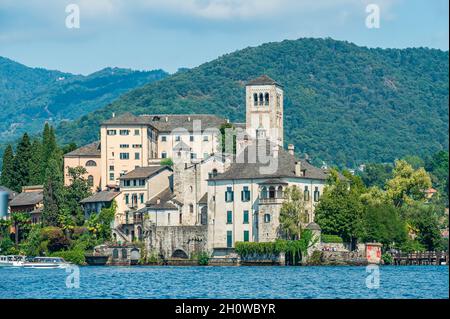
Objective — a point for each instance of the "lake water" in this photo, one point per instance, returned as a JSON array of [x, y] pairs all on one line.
[[227, 282]]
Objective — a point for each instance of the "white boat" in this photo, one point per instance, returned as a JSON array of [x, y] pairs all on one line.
[[43, 263], [11, 260]]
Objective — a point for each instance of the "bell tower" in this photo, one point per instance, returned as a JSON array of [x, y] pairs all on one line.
[[264, 109]]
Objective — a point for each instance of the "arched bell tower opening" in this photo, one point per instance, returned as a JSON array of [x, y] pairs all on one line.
[[264, 109]]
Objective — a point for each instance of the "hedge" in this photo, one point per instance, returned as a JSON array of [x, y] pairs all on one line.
[[331, 239]]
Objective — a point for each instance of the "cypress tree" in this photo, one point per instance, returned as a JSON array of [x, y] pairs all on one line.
[[22, 163], [53, 193], [36, 173], [7, 178]]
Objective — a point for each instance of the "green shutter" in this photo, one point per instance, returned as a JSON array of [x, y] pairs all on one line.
[[229, 239], [246, 235]]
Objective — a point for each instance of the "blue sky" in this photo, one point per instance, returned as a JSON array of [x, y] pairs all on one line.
[[168, 34]]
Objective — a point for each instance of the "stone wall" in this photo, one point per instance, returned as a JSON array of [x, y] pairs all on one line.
[[176, 241]]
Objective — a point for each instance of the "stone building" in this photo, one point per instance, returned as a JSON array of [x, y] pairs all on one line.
[[208, 200]]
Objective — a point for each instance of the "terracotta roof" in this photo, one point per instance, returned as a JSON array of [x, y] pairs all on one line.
[[27, 199], [145, 172], [241, 168], [263, 80], [103, 196], [92, 149]]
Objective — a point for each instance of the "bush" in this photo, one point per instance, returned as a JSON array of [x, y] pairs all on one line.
[[57, 241], [316, 258], [203, 258], [331, 239], [75, 256], [387, 259]]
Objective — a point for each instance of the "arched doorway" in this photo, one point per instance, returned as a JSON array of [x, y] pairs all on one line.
[[179, 253]]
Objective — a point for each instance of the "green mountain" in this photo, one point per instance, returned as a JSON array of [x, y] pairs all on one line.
[[344, 104], [31, 96]]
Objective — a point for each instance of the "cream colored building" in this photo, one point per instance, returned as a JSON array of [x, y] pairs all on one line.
[[89, 157]]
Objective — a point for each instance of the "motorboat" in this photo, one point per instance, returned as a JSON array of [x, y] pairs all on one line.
[[43, 263], [11, 260]]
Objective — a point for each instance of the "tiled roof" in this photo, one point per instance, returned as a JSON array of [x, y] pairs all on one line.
[[259, 170], [163, 201], [263, 80], [169, 122], [145, 172], [27, 199], [92, 149], [103, 196]]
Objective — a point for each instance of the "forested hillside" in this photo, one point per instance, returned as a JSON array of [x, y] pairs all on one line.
[[344, 104]]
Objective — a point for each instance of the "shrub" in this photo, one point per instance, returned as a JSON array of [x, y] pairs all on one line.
[[316, 258], [387, 259], [75, 256], [331, 239], [203, 258], [57, 241]]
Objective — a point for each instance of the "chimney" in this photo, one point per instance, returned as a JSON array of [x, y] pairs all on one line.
[[228, 121], [291, 149], [167, 119], [114, 114], [189, 118], [298, 168]]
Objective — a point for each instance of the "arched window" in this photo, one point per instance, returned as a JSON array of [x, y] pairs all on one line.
[[90, 180], [264, 192], [267, 218], [272, 192], [261, 99], [191, 208], [266, 99], [115, 253], [91, 163], [124, 253], [255, 99], [306, 194], [280, 192]]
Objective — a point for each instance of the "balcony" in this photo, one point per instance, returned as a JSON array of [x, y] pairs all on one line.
[[271, 200]]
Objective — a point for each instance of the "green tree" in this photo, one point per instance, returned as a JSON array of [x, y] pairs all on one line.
[[415, 161], [36, 173], [382, 223], [75, 192], [376, 174], [53, 194], [167, 162], [22, 225], [340, 210], [407, 185], [292, 213], [22, 163], [8, 179], [227, 136]]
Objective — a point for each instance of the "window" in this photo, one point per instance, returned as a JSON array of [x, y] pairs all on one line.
[[191, 138], [137, 132], [91, 163], [261, 99], [229, 217], [124, 132], [255, 99], [142, 182], [137, 156], [180, 218], [191, 208], [280, 192], [127, 199], [266, 99], [245, 194], [316, 194], [229, 195], [124, 146], [163, 138], [124, 156], [111, 132], [137, 145], [245, 216], [193, 155], [91, 180], [205, 138], [205, 155], [141, 198], [271, 192], [126, 183], [111, 167], [306, 194], [264, 192], [267, 218], [229, 239], [246, 235], [177, 138], [163, 155], [111, 176]]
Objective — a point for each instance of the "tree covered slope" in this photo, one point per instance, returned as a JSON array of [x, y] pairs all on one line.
[[31, 96], [344, 104]]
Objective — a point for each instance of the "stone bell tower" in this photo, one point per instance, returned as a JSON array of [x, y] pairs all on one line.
[[264, 109]]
